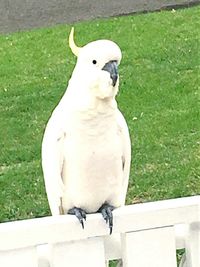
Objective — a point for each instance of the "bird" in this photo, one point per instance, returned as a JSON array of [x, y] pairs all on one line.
[[86, 147]]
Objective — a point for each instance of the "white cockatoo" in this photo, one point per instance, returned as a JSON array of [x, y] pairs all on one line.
[[86, 147]]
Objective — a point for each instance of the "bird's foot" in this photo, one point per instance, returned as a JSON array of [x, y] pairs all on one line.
[[79, 213], [106, 211]]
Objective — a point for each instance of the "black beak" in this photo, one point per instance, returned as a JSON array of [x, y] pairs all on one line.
[[111, 67]]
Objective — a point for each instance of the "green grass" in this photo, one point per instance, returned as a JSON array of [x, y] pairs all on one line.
[[159, 96]]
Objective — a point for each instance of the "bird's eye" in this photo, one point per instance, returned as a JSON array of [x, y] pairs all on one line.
[[94, 61]]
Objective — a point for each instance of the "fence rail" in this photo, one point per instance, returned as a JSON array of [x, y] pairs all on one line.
[[143, 235]]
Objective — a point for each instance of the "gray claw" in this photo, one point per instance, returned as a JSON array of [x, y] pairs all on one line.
[[106, 211], [79, 213]]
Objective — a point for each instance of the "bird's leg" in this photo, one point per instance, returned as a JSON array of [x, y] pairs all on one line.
[[79, 213], [106, 211]]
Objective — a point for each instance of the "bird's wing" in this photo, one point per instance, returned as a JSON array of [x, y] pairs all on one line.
[[52, 162], [126, 156]]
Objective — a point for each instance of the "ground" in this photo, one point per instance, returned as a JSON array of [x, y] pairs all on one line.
[[159, 96]]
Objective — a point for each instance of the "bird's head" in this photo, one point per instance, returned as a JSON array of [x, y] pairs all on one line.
[[97, 66]]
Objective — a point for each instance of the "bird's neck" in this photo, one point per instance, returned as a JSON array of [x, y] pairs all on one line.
[[81, 100]]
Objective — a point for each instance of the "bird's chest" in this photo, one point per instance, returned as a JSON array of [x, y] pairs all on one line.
[[93, 147], [93, 163], [96, 138]]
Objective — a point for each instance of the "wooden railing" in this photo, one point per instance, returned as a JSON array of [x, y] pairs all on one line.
[[144, 235]]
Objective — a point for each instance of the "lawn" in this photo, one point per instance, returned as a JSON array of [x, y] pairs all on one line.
[[159, 96]]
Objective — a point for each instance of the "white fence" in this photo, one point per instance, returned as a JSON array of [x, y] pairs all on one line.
[[144, 235]]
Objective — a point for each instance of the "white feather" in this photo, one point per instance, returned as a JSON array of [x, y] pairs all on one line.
[[86, 146]]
